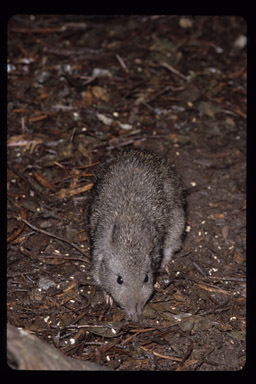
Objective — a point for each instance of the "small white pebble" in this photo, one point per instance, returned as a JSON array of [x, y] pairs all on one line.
[[218, 49], [185, 22], [212, 270], [240, 42]]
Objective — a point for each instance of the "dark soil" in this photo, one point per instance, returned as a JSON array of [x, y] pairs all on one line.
[[81, 89]]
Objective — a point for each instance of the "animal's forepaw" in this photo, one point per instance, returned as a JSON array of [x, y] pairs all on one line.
[[166, 268], [109, 299]]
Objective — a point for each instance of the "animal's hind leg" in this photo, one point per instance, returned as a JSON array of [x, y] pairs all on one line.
[[173, 240]]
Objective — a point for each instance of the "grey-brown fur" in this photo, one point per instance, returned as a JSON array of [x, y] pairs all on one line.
[[136, 223]]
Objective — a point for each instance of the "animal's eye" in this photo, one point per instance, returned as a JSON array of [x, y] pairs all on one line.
[[119, 280], [146, 278]]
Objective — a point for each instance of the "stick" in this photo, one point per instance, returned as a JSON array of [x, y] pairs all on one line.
[[160, 355], [122, 63], [54, 236], [173, 70]]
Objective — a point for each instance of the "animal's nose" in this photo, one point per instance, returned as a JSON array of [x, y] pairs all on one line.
[[136, 312]]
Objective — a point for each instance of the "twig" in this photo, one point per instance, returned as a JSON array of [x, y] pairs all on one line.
[[238, 73], [63, 28], [189, 351], [28, 180], [204, 359], [61, 257], [185, 254], [54, 236], [199, 269], [137, 332], [82, 52], [39, 30], [60, 107], [173, 70], [160, 93], [223, 278], [20, 229], [160, 355], [122, 63], [79, 326]]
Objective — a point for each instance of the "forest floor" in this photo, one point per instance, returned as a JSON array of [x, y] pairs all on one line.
[[81, 89]]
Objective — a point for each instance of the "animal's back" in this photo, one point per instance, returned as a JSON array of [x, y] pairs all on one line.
[[136, 182]]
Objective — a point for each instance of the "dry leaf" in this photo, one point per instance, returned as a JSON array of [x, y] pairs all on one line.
[[24, 140], [209, 109], [217, 216], [43, 181], [63, 193], [224, 230], [87, 99], [238, 257], [100, 93]]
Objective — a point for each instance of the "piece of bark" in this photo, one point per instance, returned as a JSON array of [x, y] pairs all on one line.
[[27, 352]]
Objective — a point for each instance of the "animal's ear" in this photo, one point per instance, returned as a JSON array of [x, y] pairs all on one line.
[[115, 231], [110, 235]]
